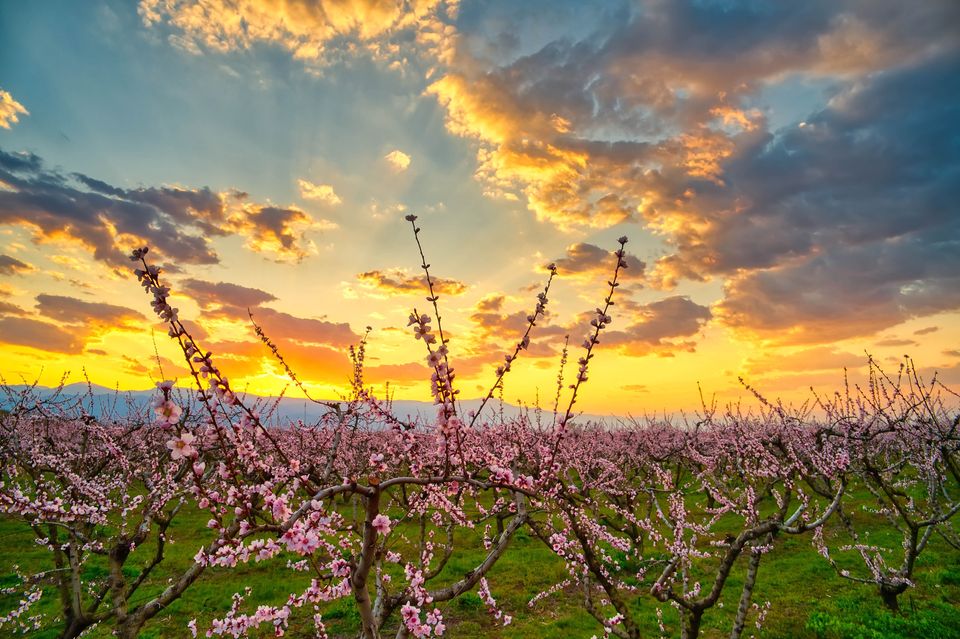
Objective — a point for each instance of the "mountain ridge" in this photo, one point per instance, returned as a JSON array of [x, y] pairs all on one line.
[[119, 403]]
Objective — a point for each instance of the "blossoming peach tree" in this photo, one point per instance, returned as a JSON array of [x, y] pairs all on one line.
[[367, 507]]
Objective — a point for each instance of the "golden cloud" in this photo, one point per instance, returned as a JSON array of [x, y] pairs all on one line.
[[398, 281], [314, 31], [10, 110], [322, 192], [398, 160]]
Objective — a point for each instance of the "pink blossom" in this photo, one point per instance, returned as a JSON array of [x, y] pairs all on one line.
[[167, 411], [180, 446], [381, 523]]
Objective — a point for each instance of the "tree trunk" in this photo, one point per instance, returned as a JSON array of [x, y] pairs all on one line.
[[890, 596], [691, 626], [74, 628], [358, 580], [747, 593]]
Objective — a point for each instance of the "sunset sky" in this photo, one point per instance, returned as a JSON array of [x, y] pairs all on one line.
[[788, 174]]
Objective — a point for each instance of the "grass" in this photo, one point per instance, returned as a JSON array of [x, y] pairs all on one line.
[[809, 599]]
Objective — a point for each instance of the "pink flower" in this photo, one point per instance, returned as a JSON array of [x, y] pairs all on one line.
[[340, 568], [302, 543], [167, 412], [381, 523], [180, 446]]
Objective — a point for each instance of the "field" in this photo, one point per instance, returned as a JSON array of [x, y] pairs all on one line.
[[808, 598]]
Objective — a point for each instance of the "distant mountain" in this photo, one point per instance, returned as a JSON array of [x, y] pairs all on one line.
[[102, 401]]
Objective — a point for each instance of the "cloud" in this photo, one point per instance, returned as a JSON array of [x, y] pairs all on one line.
[[398, 160], [669, 115], [276, 230], [6, 308], [213, 295], [23, 331], [589, 262], [497, 330], [661, 327], [848, 291], [13, 266], [179, 223], [227, 300], [841, 227], [927, 330], [893, 341], [405, 373], [819, 358], [660, 116], [70, 310], [636, 388], [316, 32], [386, 211], [10, 110], [321, 192], [399, 281], [318, 363], [281, 325]]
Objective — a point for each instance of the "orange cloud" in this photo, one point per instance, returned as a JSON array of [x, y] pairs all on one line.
[[317, 364], [404, 374]]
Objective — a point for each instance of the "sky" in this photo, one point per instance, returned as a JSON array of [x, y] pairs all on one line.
[[788, 176]]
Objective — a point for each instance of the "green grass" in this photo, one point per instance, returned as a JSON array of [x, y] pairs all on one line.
[[809, 599]]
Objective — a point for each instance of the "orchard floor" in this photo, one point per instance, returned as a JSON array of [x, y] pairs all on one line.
[[807, 598]]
